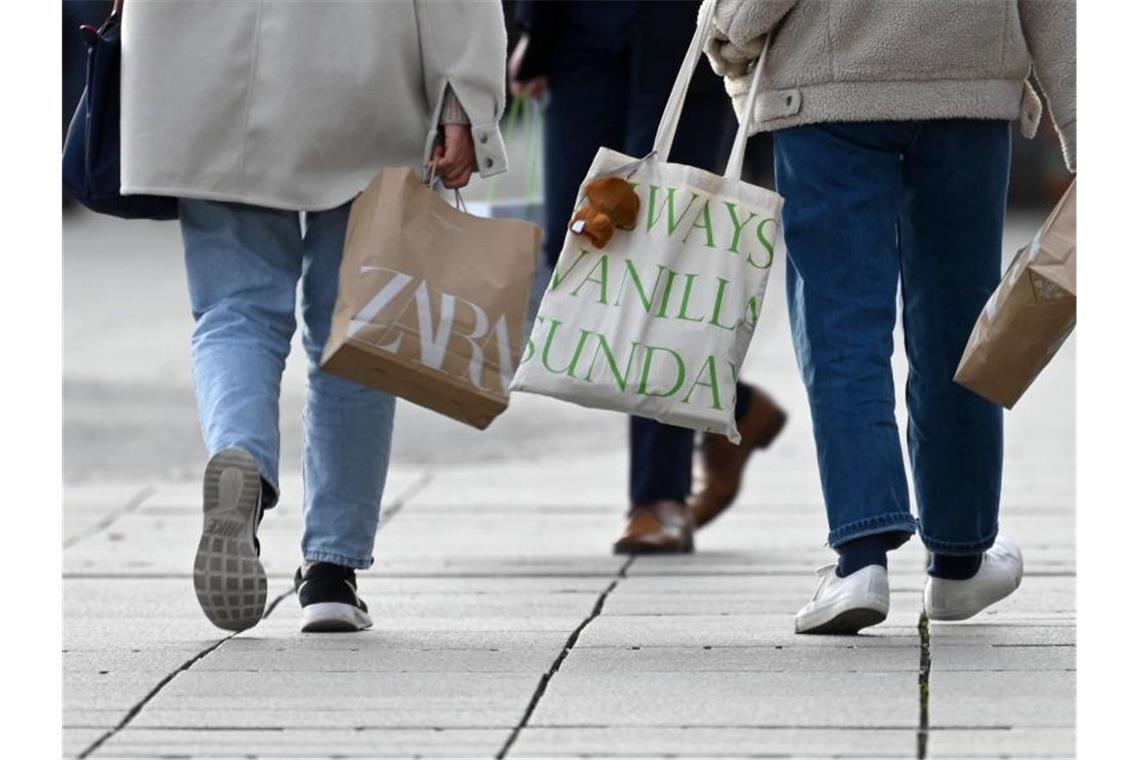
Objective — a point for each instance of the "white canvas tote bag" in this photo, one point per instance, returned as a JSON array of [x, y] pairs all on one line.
[[657, 323]]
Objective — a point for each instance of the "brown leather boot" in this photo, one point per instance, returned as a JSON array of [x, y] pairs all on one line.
[[723, 462], [663, 527]]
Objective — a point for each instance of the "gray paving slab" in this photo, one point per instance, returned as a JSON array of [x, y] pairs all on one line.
[[75, 740], [664, 741], [1041, 634], [634, 603], [743, 659], [382, 658], [1002, 743], [89, 507], [1006, 699], [581, 698], [729, 630], [286, 626], [991, 658], [306, 743]]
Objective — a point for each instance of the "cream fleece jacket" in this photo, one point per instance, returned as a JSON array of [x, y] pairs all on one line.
[[892, 60]]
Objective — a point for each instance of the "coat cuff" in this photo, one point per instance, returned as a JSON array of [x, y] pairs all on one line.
[[490, 151]]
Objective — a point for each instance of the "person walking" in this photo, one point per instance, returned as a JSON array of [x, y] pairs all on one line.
[[606, 70], [891, 133], [265, 119]]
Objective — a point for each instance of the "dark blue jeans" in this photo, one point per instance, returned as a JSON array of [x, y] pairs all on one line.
[[870, 207]]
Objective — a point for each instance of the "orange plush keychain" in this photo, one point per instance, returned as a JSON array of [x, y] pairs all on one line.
[[611, 203]]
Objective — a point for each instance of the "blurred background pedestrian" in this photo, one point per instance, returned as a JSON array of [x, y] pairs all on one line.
[[604, 71]]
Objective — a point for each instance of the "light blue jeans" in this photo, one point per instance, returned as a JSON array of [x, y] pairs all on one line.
[[243, 264]]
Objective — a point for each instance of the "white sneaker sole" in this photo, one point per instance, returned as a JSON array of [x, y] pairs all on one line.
[[333, 617], [228, 577], [965, 612], [840, 619]]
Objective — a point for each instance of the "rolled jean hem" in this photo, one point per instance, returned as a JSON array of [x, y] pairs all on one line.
[[956, 548], [899, 521], [338, 559]]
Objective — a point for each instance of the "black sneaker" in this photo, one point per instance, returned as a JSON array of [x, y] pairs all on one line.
[[228, 577], [329, 603]]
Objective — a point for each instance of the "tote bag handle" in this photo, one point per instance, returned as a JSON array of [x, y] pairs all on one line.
[[671, 116]]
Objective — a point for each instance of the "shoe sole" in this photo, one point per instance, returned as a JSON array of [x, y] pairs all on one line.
[[622, 547], [228, 577], [848, 622], [333, 617], [965, 613]]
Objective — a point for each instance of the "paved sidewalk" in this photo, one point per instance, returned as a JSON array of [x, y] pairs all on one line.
[[504, 627]]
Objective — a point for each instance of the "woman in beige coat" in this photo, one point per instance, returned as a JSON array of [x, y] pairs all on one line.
[[250, 112]]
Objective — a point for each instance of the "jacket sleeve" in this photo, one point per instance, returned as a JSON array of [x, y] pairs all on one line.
[[464, 44], [739, 27], [1050, 30]]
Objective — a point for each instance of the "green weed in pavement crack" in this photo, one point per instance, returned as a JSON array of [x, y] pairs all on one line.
[[923, 684]]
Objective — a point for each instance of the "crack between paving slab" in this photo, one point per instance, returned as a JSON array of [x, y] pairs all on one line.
[[401, 501], [554, 666], [132, 504], [923, 733], [158, 687]]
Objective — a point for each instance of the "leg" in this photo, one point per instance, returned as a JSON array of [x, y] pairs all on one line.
[[587, 110], [951, 233], [661, 456], [348, 428], [843, 185], [242, 264]]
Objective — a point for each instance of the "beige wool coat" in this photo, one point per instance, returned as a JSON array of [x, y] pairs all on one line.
[[892, 60], [296, 104]]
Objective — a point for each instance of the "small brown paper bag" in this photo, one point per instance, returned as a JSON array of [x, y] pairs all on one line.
[[432, 301], [1028, 317]]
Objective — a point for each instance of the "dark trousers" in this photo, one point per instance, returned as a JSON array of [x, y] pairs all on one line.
[[607, 88]]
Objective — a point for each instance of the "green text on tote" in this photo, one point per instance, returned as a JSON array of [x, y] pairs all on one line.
[[642, 287]]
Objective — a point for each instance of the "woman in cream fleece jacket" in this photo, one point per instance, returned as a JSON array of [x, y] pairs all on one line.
[[892, 60], [891, 130]]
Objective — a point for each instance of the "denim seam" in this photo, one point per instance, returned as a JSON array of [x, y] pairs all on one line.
[[959, 548], [857, 529], [338, 559]]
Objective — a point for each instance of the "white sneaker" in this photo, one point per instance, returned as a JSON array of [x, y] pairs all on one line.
[[845, 605], [998, 577]]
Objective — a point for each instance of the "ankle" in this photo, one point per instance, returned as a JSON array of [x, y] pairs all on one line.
[[859, 553], [952, 567]]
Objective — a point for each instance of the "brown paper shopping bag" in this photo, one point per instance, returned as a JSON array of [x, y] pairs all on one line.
[[432, 301], [1031, 313]]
